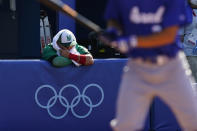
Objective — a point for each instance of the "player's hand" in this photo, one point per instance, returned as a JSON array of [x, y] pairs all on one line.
[[121, 44], [64, 52]]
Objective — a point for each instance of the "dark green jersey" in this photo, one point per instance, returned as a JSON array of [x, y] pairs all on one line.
[[50, 54]]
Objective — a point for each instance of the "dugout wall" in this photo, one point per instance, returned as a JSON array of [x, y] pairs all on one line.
[[36, 96]]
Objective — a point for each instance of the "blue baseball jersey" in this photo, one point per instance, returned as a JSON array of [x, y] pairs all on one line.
[[145, 17]]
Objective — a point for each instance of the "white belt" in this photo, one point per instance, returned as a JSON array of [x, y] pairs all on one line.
[[159, 60]]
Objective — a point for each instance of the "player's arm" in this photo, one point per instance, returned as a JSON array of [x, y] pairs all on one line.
[[82, 58], [89, 59], [166, 36], [60, 61], [50, 55]]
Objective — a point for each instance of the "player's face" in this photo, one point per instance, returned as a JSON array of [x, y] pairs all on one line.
[[63, 47]]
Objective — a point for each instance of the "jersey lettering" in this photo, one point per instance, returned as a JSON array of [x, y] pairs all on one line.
[[138, 17]]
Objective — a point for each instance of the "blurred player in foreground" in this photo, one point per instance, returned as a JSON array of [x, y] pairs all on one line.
[[146, 31], [65, 50]]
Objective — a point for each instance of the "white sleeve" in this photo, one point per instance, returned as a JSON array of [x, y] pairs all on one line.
[[74, 51]]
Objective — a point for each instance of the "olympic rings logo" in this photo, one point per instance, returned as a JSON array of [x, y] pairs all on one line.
[[64, 102]]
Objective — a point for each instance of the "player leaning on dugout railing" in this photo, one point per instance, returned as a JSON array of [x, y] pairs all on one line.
[[64, 50]]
